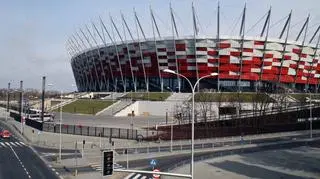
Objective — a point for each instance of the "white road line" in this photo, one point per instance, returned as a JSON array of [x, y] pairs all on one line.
[[137, 176], [129, 176], [14, 152], [12, 143], [3, 144], [144, 177], [22, 143], [53, 169], [18, 144], [57, 173], [7, 143]]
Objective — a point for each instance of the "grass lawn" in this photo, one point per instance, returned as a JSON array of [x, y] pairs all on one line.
[[301, 97], [231, 97], [86, 106], [152, 96]]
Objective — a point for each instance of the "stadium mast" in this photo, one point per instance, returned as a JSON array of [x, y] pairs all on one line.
[[241, 33], [218, 44], [128, 53], [71, 52], [84, 76], [117, 53], [174, 29], [92, 58], [154, 25], [195, 34], [140, 48], [103, 39], [88, 65], [265, 26], [75, 72], [99, 57], [286, 26], [305, 28]]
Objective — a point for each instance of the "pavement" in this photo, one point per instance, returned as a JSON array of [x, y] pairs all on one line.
[[294, 163], [109, 121]]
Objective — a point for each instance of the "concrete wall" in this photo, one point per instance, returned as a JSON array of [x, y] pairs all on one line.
[[159, 108]]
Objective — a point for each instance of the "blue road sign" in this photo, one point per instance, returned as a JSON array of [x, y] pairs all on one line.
[[153, 162]]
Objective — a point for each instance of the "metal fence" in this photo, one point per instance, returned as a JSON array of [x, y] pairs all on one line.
[[119, 133]]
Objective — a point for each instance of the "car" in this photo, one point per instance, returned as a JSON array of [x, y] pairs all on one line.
[[5, 134]]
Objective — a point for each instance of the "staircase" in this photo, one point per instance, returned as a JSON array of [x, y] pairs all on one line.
[[114, 96], [179, 97], [115, 108], [65, 102]]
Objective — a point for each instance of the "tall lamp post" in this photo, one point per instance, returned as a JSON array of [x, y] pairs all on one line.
[[193, 88], [60, 126]]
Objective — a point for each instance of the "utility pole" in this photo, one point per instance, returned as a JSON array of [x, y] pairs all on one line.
[[42, 99], [21, 106], [8, 99]]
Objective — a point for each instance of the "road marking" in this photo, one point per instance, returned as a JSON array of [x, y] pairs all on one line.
[[7, 143], [53, 169], [144, 177], [14, 152], [57, 173], [22, 143], [18, 144], [137, 176], [12, 143], [3, 144], [129, 176]]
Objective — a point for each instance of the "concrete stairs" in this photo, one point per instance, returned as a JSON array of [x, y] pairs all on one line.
[[179, 97], [115, 108]]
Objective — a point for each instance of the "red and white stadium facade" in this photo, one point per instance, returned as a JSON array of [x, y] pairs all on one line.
[[242, 61]]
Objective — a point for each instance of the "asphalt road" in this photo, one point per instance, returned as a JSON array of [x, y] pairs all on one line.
[[109, 121], [18, 161], [165, 163]]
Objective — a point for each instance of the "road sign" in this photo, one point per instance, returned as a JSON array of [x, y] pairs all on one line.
[[156, 176], [153, 162]]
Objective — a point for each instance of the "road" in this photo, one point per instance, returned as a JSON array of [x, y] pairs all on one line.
[[166, 163], [18, 161], [109, 121]]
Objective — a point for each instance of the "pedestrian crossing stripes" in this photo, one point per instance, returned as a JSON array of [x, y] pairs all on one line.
[[98, 167], [11, 144], [136, 176]]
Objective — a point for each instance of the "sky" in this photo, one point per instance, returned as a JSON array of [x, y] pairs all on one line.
[[34, 33]]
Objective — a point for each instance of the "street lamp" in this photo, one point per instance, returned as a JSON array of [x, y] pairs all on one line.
[[60, 137], [193, 93]]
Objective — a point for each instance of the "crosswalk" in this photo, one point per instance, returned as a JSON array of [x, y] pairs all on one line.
[[11, 144], [136, 176], [98, 167]]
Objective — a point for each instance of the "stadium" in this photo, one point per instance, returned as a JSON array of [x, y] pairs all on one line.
[[244, 63]]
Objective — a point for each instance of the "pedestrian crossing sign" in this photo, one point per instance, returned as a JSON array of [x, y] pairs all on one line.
[[153, 162]]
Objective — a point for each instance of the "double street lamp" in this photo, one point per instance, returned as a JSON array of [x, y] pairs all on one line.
[[193, 88]]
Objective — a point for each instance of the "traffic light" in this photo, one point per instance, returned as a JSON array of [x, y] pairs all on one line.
[[107, 163]]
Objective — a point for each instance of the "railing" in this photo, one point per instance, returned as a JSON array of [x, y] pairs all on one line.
[[91, 131]]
